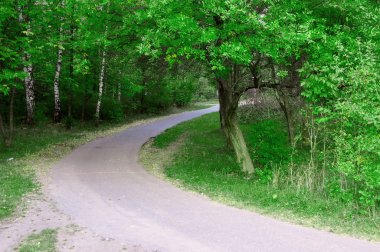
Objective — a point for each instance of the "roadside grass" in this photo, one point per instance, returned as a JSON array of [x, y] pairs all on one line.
[[203, 163], [36, 149], [45, 241]]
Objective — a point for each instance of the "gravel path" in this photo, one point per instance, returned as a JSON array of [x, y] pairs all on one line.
[[101, 187]]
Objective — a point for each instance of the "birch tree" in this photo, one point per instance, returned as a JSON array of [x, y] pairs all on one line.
[[24, 21], [102, 72], [101, 86], [57, 100]]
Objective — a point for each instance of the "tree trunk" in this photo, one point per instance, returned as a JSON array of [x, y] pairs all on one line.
[[143, 84], [101, 84], [29, 89], [84, 103], [8, 136], [119, 92], [101, 77], [2, 128], [71, 67], [57, 100], [83, 108], [11, 114], [28, 70], [229, 102], [70, 95], [283, 101]]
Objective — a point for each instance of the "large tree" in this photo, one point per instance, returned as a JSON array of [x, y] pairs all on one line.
[[25, 22], [232, 38]]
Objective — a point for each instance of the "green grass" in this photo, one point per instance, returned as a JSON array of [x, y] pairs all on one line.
[[204, 164], [13, 186], [35, 149], [45, 241]]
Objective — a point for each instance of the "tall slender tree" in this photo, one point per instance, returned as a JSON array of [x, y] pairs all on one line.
[[58, 67], [102, 70], [24, 20]]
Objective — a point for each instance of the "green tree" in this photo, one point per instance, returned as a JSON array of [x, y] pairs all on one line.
[[235, 39], [12, 45]]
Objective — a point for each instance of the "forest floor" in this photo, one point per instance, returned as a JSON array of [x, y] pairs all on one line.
[[29, 220]]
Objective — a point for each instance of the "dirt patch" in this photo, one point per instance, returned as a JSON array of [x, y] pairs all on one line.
[[41, 214], [155, 160]]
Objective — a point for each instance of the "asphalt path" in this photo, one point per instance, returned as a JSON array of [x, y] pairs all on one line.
[[102, 187]]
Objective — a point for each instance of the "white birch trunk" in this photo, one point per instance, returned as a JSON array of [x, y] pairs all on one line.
[[28, 70], [101, 84], [57, 100], [29, 89], [101, 78]]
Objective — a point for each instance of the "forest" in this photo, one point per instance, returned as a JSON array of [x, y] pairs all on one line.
[[307, 68]]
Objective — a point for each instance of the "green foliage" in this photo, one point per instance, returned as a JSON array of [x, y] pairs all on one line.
[[11, 40], [344, 90], [188, 30], [43, 110], [183, 92], [268, 142], [112, 110], [68, 122], [205, 90], [14, 185], [155, 97]]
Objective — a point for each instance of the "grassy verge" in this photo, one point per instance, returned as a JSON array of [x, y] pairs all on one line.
[[201, 162], [45, 241], [36, 149]]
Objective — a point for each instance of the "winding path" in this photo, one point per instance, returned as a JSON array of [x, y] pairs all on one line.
[[101, 186]]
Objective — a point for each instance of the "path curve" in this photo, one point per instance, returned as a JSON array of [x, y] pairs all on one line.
[[101, 186]]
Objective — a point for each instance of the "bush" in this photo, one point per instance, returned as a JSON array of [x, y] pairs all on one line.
[[69, 122], [156, 98], [205, 90], [111, 110], [182, 92]]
